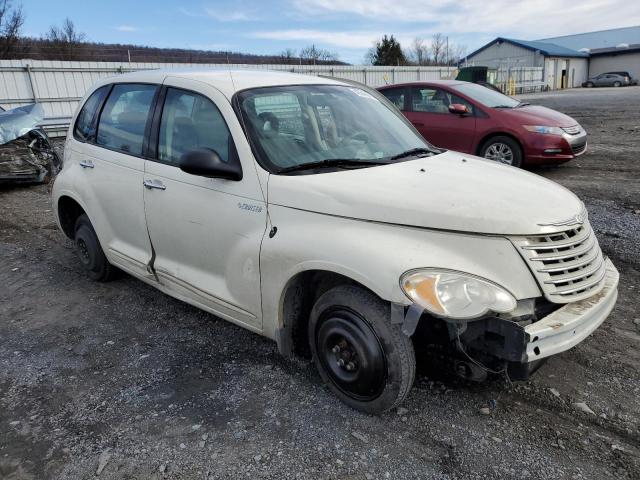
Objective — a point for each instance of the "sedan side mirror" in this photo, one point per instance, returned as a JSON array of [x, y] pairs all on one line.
[[205, 162], [459, 109]]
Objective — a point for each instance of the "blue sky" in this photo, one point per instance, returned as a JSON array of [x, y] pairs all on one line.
[[347, 27]]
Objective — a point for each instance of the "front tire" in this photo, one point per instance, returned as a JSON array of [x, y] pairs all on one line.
[[365, 360], [617, 84], [589, 85], [502, 149], [90, 252]]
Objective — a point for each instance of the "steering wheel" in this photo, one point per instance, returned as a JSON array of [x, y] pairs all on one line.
[[359, 135]]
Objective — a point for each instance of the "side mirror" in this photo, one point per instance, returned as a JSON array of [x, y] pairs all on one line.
[[205, 162], [459, 109]]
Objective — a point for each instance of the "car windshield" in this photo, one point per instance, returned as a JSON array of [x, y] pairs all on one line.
[[486, 96], [299, 126]]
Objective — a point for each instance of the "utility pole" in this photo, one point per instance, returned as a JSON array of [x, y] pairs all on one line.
[[129, 55], [447, 52]]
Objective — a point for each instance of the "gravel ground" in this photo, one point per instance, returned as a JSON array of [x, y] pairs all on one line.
[[121, 381]]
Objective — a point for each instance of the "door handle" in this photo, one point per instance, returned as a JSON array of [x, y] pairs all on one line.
[[418, 124], [151, 184], [87, 164]]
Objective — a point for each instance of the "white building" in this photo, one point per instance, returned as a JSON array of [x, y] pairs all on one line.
[[562, 67], [567, 60]]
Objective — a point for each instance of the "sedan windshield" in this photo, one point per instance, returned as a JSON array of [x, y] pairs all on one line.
[[310, 127], [486, 96]]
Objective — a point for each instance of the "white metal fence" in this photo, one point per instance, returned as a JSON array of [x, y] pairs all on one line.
[[60, 85]]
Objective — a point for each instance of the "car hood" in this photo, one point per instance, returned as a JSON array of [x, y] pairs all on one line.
[[450, 191], [538, 115]]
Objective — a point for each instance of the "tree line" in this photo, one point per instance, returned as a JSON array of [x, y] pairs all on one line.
[[65, 42], [437, 51]]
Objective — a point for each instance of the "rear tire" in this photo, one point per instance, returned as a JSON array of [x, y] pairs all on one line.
[[367, 362], [90, 252], [502, 149], [617, 84]]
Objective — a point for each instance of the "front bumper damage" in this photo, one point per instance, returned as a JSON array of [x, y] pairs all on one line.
[[519, 347], [571, 324]]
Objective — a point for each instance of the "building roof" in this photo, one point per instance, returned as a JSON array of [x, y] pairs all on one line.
[[599, 39], [611, 51], [546, 49]]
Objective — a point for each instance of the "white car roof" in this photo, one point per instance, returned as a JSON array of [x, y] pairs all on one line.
[[228, 81]]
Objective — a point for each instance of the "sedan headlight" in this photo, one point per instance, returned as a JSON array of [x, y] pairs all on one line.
[[455, 294], [544, 129]]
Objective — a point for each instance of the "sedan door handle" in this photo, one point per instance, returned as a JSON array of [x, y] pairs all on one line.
[[157, 184], [87, 164]]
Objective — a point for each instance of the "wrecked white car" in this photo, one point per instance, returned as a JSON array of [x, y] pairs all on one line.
[[310, 211], [26, 153]]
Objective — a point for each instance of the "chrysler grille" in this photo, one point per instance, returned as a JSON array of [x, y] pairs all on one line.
[[568, 265]]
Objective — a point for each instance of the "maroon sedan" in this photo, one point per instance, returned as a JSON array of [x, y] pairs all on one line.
[[470, 118]]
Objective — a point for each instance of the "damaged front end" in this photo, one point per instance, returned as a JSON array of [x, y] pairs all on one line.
[[26, 153], [515, 344]]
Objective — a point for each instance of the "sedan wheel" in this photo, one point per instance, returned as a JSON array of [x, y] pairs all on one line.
[[499, 152], [617, 84]]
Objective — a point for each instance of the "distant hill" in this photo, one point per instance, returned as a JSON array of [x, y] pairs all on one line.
[[40, 49]]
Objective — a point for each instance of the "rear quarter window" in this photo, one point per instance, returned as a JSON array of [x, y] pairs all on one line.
[[85, 127]]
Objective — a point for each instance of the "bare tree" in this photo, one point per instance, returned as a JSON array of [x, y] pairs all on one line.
[[66, 33], [437, 48], [419, 51], [312, 54], [288, 55], [11, 21], [66, 40], [457, 53]]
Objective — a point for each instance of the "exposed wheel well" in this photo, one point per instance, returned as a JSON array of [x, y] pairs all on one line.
[[302, 292], [488, 137], [68, 212]]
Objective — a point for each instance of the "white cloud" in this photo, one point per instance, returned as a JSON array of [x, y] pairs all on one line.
[[529, 19], [126, 28], [222, 16], [338, 39]]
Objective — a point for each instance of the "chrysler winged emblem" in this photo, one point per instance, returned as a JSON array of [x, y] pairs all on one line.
[[578, 219]]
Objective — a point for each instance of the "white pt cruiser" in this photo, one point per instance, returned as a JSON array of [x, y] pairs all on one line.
[[310, 211]]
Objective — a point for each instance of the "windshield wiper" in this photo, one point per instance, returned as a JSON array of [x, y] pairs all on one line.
[[413, 152], [330, 163], [502, 106], [522, 104]]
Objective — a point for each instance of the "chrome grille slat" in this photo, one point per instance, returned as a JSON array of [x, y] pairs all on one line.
[[581, 274], [572, 253], [589, 256], [584, 286], [567, 242], [568, 265]]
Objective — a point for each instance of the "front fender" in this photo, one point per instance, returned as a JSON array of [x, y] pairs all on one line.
[[376, 255]]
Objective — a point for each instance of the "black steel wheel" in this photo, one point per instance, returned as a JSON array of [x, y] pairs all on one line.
[[90, 252], [364, 359], [351, 354]]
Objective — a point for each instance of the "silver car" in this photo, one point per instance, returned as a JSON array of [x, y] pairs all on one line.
[[613, 79]]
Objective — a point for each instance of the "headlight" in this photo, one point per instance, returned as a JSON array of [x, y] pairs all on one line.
[[454, 294], [544, 129]]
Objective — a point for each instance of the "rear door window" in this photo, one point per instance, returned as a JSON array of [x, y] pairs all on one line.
[[124, 117], [191, 121], [85, 128], [395, 96]]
